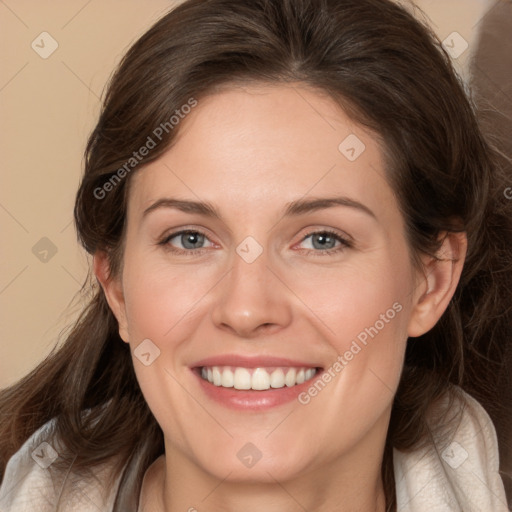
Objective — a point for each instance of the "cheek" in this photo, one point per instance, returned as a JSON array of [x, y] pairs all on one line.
[[352, 300], [161, 303], [161, 298], [365, 314]]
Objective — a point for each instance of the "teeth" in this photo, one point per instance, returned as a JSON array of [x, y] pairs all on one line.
[[291, 377], [258, 378], [277, 378], [242, 379], [217, 377], [228, 379]]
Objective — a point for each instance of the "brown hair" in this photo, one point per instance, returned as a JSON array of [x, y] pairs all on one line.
[[389, 73]]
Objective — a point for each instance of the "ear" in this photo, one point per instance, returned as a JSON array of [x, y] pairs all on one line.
[[437, 283], [113, 290]]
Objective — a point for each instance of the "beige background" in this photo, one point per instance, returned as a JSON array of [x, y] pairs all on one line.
[[47, 109]]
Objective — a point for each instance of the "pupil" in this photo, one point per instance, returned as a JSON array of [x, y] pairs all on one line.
[[322, 239], [191, 239]]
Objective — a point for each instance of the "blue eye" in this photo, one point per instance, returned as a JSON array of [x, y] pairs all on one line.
[[191, 241], [322, 240], [325, 241]]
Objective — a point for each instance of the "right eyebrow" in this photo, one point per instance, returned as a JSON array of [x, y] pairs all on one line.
[[200, 208]]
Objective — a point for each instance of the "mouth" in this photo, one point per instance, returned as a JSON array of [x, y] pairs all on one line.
[[253, 383], [256, 379]]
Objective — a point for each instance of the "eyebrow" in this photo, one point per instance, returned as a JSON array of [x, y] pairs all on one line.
[[299, 207]]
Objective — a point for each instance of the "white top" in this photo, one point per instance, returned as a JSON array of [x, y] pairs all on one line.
[[460, 477]]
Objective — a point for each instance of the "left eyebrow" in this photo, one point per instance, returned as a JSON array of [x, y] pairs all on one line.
[[302, 206]]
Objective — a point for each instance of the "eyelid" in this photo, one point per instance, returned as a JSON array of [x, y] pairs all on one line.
[[333, 231]]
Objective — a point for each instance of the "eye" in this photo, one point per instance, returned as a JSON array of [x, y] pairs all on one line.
[[189, 241], [324, 242]]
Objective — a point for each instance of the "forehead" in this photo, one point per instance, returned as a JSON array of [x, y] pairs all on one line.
[[261, 146]]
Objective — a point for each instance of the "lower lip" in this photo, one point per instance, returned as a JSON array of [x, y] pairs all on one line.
[[253, 400]]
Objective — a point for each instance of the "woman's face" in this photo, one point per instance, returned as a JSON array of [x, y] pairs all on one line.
[[303, 268]]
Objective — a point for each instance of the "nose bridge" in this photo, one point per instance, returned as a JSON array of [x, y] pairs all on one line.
[[251, 295]]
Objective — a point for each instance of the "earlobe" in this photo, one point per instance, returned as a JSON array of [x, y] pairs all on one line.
[[112, 288], [437, 284]]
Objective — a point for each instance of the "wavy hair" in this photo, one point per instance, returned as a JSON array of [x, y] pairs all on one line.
[[390, 73]]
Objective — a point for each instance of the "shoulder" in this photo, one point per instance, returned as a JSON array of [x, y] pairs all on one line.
[[27, 484], [31, 481], [458, 470]]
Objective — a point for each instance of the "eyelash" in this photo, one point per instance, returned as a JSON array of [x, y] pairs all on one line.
[[190, 252], [344, 243]]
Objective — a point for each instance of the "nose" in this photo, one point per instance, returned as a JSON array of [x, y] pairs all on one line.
[[252, 299]]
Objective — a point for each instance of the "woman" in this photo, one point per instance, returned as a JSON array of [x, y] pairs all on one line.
[[301, 246]]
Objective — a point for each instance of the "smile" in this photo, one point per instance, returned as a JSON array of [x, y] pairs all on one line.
[[258, 379]]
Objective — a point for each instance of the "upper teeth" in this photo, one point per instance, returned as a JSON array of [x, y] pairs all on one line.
[[256, 378]]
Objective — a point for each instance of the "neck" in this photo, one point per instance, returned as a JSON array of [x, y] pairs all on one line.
[[175, 484]]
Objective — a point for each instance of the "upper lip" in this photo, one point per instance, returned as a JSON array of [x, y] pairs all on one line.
[[244, 361]]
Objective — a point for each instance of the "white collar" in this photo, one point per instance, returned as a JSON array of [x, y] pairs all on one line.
[[460, 474]]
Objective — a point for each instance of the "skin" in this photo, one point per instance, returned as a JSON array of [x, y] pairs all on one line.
[[250, 151]]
